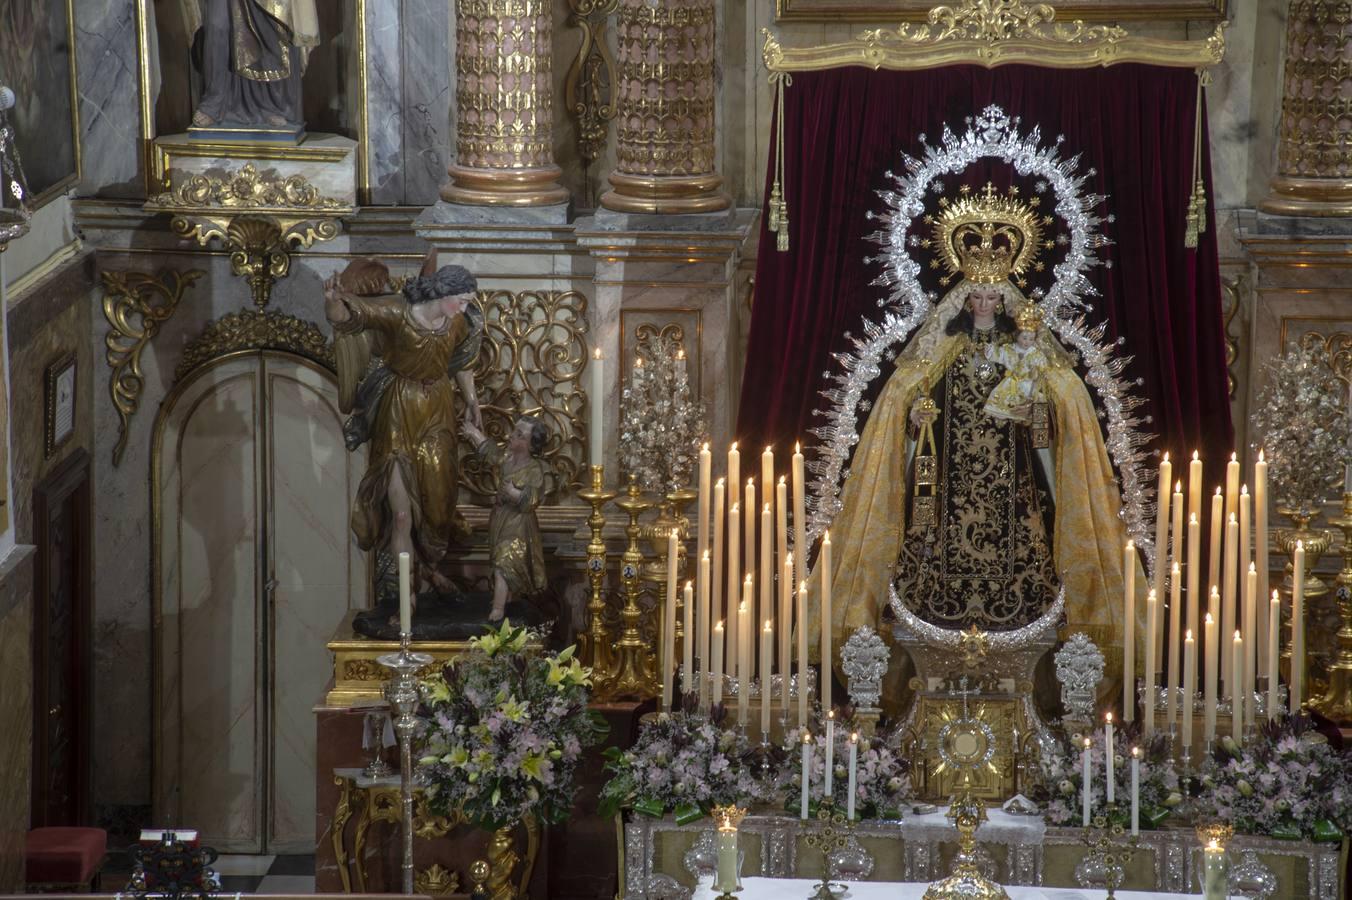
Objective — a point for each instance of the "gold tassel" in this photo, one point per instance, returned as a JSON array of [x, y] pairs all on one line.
[[1196, 220], [778, 207]]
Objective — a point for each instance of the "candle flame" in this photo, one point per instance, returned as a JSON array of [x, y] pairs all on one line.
[[1131, 546], [1178, 487], [689, 585], [722, 482], [1234, 457], [706, 555], [781, 480], [1175, 568], [1151, 596], [1215, 590], [1253, 569], [1243, 490], [1188, 635], [802, 587], [1300, 545], [788, 558], [596, 354], [1135, 752], [736, 507], [1213, 844], [1166, 455], [1192, 518], [1209, 620], [807, 737], [1238, 639], [826, 537], [769, 451], [751, 482], [1276, 597], [719, 626], [1218, 490], [1233, 520], [1086, 743], [767, 626], [766, 510], [798, 448], [854, 737], [705, 448], [1195, 457], [831, 714], [1109, 718], [1260, 456], [748, 577]]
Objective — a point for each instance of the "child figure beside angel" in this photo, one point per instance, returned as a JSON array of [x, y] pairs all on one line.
[[1025, 364], [515, 550]]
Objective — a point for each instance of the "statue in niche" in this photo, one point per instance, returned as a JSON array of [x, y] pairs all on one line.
[[405, 362], [979, 514], [515, 550], [252, 54]]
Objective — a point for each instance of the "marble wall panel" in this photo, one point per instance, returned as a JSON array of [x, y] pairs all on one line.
[[384, 101], [110, 117], [16, 712], [428, 98]]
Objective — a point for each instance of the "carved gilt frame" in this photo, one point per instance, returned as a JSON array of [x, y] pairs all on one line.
[[916, 10]]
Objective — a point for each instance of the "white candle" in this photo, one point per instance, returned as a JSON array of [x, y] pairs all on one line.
[[734, 474], [405, 596], [1194, 575], [1260, 544], [799, 516], [688, 628], [1273, 652], [767, 651], [785, 633], [702, 532], [1087, 782], [1151, 625], [1162, 526], [717, 668], [807, 774], [716, 564], [1214, 548], [744, 629], [705, 637], [1209, 689], [803, 670], [596, 418], [1195, 486], [850, 784], [1215, 875], [749, 525], [830, 753], [1174, 679], [734, 582], [669, 625], [1108, 755], [1189, 685], [1249, 683], [1231, 486], [1237, 700], [1228, 607], [726, 864], [768, 473], [1297, 684], [1135, 791], [1129, 631], [766, 610], [824, 563], [782, 556]]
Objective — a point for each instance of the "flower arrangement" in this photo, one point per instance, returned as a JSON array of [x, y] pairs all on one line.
[[685, 763], [1286, 783], [504, 729], [1063, 769], [882, 783]]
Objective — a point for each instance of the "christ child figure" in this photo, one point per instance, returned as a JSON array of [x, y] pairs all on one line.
[[1024, 362], [515, 549]]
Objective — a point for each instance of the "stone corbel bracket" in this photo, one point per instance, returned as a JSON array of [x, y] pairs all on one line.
[[261, 220], [136, 305]]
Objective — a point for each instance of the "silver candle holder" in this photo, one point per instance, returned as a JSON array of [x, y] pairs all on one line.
[[402, 693]]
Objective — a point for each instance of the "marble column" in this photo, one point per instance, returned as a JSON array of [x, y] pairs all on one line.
[[665, 110], [1314, 151], [504, 106]]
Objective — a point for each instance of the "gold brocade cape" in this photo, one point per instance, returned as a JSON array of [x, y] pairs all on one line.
[[1088, 539]]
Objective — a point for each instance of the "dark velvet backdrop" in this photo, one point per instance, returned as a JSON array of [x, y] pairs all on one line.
[[845, 128]]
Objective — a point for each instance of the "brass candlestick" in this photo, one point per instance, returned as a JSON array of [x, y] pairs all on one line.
[[1316, 542], [1107, 851], [633, 671], [1336, 703], [402, 693], [596, 641], [833, 835]]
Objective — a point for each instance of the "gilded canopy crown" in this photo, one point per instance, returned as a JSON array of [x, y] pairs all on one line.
[[988, 237]]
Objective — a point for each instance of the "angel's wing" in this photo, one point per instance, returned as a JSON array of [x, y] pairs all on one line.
[[352, 352]]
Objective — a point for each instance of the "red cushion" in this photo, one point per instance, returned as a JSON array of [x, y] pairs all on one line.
[[64, 855]]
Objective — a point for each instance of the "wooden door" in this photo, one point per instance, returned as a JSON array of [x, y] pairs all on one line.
[[62, 661]]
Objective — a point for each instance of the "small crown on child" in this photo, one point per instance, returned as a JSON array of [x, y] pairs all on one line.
[[1028, 318]]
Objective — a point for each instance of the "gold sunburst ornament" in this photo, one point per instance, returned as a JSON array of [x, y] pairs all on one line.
[[987, 237]]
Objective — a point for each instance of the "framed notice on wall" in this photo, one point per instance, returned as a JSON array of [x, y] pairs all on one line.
[[60, 402]]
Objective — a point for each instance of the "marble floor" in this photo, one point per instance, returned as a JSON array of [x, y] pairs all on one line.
[[267, 874]]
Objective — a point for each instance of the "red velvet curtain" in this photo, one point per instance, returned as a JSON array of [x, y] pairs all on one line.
[[1133, 124]]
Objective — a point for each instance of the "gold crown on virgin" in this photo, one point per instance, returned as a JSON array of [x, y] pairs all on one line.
[[987, 237], [1028, 318]]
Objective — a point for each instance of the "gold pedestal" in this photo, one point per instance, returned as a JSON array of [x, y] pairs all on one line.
[[633, 668], [1336, 703], [535, 186], [1293, 196], [595, 642]]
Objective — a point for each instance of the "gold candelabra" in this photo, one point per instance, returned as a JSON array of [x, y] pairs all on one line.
[[833, 835], [1107, 849], [632, 672], [596, 642], [1336, 703]]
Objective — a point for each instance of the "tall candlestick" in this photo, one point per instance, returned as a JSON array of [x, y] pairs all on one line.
[[1297, 684], [705, 632], [799, 516], [1108, 754], [716, 610], [830, 753], [750, 508], [1237, 696], [1213, 652], [706, 462], [1151, 626], [1135, 791], [1162, 530], [1228, 597], [1087, 783], [806, 775], [853, 774], [1217, 531], [1189, 685], [766, 610], [669, 624], [734, 578], [824, 563], [1260, 543], [803, 669], [1129, 631], [1249, 683], [688, 628], [744, 629], [717, 668], [596, 413], [1175, 681], [1273, 652], [767, 653], [1194, 576], [785, 632], [405, 595]]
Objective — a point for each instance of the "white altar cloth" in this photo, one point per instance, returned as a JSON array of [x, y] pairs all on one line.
[[1000, 827], [801, 888]]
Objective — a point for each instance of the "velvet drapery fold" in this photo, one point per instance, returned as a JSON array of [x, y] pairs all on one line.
[[845, 128]]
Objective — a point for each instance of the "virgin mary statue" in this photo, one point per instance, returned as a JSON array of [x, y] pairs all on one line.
[[977, 512]]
